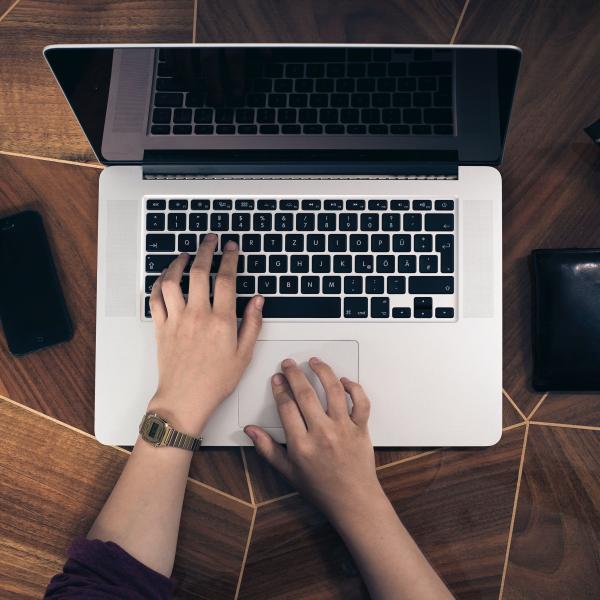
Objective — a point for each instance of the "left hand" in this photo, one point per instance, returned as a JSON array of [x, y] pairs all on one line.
[[201, 356]]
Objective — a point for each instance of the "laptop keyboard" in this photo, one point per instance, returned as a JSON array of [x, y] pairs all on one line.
[[375, 91], [312, 258]]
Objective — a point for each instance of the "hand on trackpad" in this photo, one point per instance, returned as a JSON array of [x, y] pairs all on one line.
[[255, 400]]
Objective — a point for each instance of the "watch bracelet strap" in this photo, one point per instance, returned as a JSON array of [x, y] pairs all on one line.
[[176, 439]]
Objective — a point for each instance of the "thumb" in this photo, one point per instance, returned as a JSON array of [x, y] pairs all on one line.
[[275, 454], [250, 327]]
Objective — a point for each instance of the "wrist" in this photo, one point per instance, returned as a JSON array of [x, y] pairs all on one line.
[[188, 422], [367, 502]]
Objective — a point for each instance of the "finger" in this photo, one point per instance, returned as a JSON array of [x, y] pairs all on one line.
[[171, 285], [275, 454], [337, 408], [224, 295], [158, 310], [289, 412], [198, 296], [250, 327], [303, 392], [361, 406]]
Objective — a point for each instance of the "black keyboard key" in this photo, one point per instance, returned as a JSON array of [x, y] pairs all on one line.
[[369, 222], [353, 284], [267, 285], [224, 116], [401, 312], [355, 205], [160, 129], [178, 204], [198, 222], [278, 263], [149, 282], [200, 204], [225, 129], [203, 115], [251, 242], [326, 222], [155, 263], [203, 129], [300, 307], [385, 263], [431, 285], [380, 243], [396, 284], [411, 115], [244, 115], [444, 205], [309, 284], [222, 204], [286, 115], [423, 243], [390, 222], [288, 285], [240, 222], [342, 263], [156, 204], [334, 205], [219, 221], [356, 308], [161, 115], [288, 205], [315, 243], [348, 222], [177, 222], [312, 129], [407, 263], [400, 204], [421, 129], [413, 222], [321, 263], [421, 204], [284, 222], [444, 244], [359, 242], [155, 221], [182, 115], [269, 129], [423, 302], [247, 129], [378, 204], [439, 222], [444, 313], [273, 242], [263, 221], [299, 263], [305, 221], [363, 263], [307, 115], [401, 243], [336, 243], [187, 242], [423, 313], [265, 115], [256, 263], [245, 284], [374, 284], [168, 100], [147, 313], [156, 242], [267, 204], [332, 285], [311, 205], [380, 308], [294, 242], [244, 204]]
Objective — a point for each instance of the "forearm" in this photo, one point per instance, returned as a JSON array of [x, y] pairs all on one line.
[[389, 560], [143, 511]]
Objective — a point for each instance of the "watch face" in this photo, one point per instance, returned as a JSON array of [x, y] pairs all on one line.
[[153, 429]]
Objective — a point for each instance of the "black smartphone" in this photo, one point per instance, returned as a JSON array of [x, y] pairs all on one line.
[[32, 307]]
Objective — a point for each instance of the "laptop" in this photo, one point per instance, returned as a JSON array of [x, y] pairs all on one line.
[[359, 181]]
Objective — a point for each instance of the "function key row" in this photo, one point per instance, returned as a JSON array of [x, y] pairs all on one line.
[[292, 204]]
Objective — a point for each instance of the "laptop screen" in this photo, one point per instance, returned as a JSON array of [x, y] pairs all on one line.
[[179, 104]]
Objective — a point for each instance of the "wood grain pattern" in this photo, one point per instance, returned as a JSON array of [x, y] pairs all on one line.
[[572, 408], [59, 381], [5, 5], [457, 505], [52, 490], [551, 173], [34, 117], [555, 550], [359, 21]]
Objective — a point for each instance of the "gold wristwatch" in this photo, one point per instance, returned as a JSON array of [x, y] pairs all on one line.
[[156, 431]]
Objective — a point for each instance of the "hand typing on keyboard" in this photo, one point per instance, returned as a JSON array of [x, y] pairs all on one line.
[[201, 354]]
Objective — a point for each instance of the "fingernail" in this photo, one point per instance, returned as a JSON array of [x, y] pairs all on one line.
[[251, 434], [259, 302], [315, 360], [230, 245], [277, 379], [288, 362], [211, 237]]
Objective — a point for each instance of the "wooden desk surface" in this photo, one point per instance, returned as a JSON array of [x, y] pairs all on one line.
[[518, 520]]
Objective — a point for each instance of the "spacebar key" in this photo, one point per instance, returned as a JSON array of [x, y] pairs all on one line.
[[431, 285], [297, 308]]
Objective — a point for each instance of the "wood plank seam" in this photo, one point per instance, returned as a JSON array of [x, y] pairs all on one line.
[[514, 512], [515, 406], [9, 10], [459, 22], [565, 425], [245, 557], [195, 19], [247, 472], [537, 406], [56, 160]]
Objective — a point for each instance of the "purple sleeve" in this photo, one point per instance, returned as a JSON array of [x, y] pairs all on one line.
[[98, 570]]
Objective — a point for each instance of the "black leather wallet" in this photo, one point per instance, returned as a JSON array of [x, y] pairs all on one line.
[[566, 320]]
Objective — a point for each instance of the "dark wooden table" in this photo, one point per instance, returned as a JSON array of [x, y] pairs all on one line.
[[518, 520]]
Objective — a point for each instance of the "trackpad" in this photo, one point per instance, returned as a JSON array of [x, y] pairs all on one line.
[[255, 399]]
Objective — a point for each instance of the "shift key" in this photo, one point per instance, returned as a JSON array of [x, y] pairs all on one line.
[[431, 285]]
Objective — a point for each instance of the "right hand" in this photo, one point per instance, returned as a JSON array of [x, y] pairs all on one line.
[[329, 455]]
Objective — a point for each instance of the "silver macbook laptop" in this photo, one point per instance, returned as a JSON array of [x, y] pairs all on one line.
[[360, 184]]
